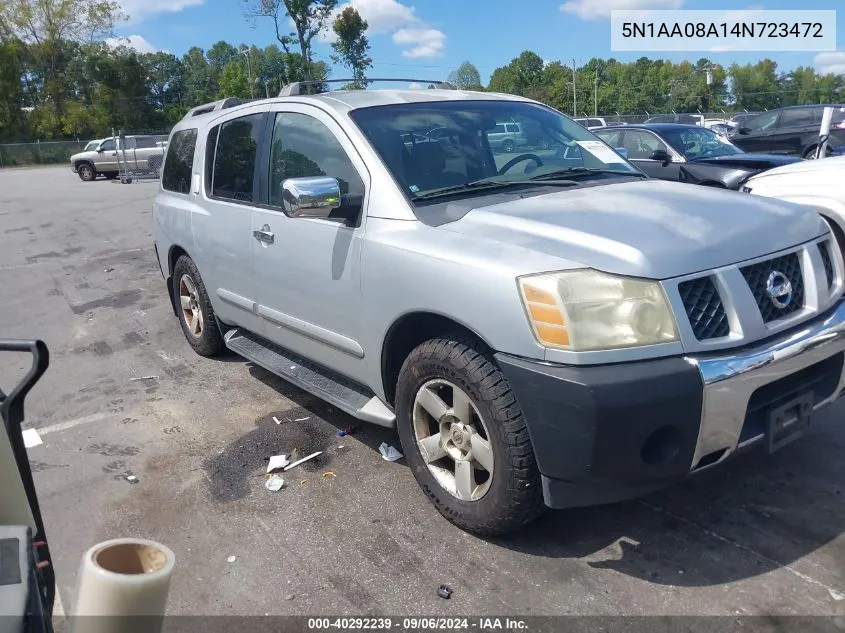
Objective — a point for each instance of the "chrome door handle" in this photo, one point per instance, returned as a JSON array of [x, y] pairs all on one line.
[[264, 235]]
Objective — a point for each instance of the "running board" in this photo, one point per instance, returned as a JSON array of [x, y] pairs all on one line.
[[343, 393]]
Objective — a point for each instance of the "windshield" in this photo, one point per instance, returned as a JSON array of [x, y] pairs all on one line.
[[434, 146], [700, 142], [92, 145]]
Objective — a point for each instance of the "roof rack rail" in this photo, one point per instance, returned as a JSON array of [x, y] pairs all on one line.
[[222, 104], [295, 88]]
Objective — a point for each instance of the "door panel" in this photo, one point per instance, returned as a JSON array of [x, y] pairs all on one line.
[[107, 159], [223, 227], [639, 144], [308, 278], [760, 137]]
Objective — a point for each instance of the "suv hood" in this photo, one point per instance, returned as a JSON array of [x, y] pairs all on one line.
[[650, 228]]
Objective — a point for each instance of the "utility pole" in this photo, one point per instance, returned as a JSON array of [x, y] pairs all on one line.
[[249, 73], [574, 91], [267, 88], [596, 94]]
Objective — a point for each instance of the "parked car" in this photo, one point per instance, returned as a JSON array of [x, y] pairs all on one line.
[[817, 184], [740, 117], [688, 153], [142, 153], [557, 330], [687, 119], [507, 136], [592, 123], [793, 131]]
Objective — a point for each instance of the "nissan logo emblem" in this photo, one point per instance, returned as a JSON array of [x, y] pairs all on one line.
[[779, 289]]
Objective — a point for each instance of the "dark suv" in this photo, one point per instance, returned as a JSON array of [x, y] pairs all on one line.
[[793, 130]]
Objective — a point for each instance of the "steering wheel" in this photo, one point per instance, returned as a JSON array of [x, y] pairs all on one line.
[[518, 159]]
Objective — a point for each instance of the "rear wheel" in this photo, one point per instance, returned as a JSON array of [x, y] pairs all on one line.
[[465, 439], [86, 172], [810, 153], [196, 316]]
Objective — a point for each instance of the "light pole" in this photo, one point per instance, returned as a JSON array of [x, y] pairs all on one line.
[[249, 73], [574, 91], [596, 94]]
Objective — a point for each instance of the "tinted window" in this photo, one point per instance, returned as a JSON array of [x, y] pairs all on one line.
[[107, 145], [595, 123], [512, 128], [210, 150], [611, 137], [234, 161], [179, 162], [303, 146], [762, 122], [498, 129], [699, 142], [796, 118], [641, 144]]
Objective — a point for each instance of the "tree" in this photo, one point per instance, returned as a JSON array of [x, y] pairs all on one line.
[[233, 82], [309, 18], [49, 27], [351, 46], [523, 76], [754, 86], [466, 77]]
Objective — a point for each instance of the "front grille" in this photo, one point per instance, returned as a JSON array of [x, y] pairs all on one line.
[[704, 308], [757, 277], [824, 249]]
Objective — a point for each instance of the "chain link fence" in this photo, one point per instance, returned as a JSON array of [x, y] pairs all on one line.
[[140, 156], [691, 118], [39, 152]]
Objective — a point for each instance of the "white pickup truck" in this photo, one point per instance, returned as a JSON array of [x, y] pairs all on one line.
[[142, 153]]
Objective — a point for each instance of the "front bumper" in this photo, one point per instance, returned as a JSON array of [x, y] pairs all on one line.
[[611, 432]]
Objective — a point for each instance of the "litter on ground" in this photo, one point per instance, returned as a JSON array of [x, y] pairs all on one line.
[[277, 462], [231, 559], [144, 378], [445, 592], [329, 473], [276, 420], [132, 479], [31, 438], [389, 453], [274, 483], [304, 459], [302, 419]]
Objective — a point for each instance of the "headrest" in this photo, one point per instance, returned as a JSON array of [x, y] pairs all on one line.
[[427, 157]]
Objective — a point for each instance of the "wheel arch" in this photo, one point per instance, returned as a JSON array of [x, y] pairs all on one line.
[[407, 332], [173, 254]]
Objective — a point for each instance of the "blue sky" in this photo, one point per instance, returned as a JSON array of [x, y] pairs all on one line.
[[428, 38]]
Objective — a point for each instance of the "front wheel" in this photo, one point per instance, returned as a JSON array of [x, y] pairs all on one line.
[[465, 439], [86, 172]]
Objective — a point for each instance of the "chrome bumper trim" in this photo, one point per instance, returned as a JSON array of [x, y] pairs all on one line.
[[730, 380]]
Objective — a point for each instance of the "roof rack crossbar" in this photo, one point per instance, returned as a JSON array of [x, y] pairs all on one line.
[[221, 104], [295, 88]]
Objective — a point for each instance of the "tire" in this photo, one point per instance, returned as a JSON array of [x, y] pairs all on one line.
[[508, 146], [86, 172], [200, 329], [510, 496], [111, 175], [810, 152]]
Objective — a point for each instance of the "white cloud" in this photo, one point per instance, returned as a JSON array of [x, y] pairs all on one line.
[[827, 63], [138, 10], [598, 9], [382, 16], [132, 41], [421, 42]]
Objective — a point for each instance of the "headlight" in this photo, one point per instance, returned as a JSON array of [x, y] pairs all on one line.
[[585, 309]]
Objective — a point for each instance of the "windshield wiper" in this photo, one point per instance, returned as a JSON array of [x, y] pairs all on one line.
[[572, 172], [488, 183]]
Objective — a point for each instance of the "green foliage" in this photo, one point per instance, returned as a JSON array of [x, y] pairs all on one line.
[[351, 46], [466, 77], [233, 82]]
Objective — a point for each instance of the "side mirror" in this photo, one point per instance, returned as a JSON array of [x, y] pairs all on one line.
[[310, 197], [100, 150], [662, 156], [622, 152]]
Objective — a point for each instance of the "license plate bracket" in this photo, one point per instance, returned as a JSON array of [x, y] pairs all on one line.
[[788, 422]]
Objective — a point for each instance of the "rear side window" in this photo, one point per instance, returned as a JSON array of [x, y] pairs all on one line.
[[796, 118], [179, 162], [234, 160], [512, 128]]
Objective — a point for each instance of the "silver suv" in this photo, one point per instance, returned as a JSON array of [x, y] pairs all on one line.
[[507, 136], [549, 329]]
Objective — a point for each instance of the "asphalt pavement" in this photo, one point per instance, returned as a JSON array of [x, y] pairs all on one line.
[[125, 395]]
